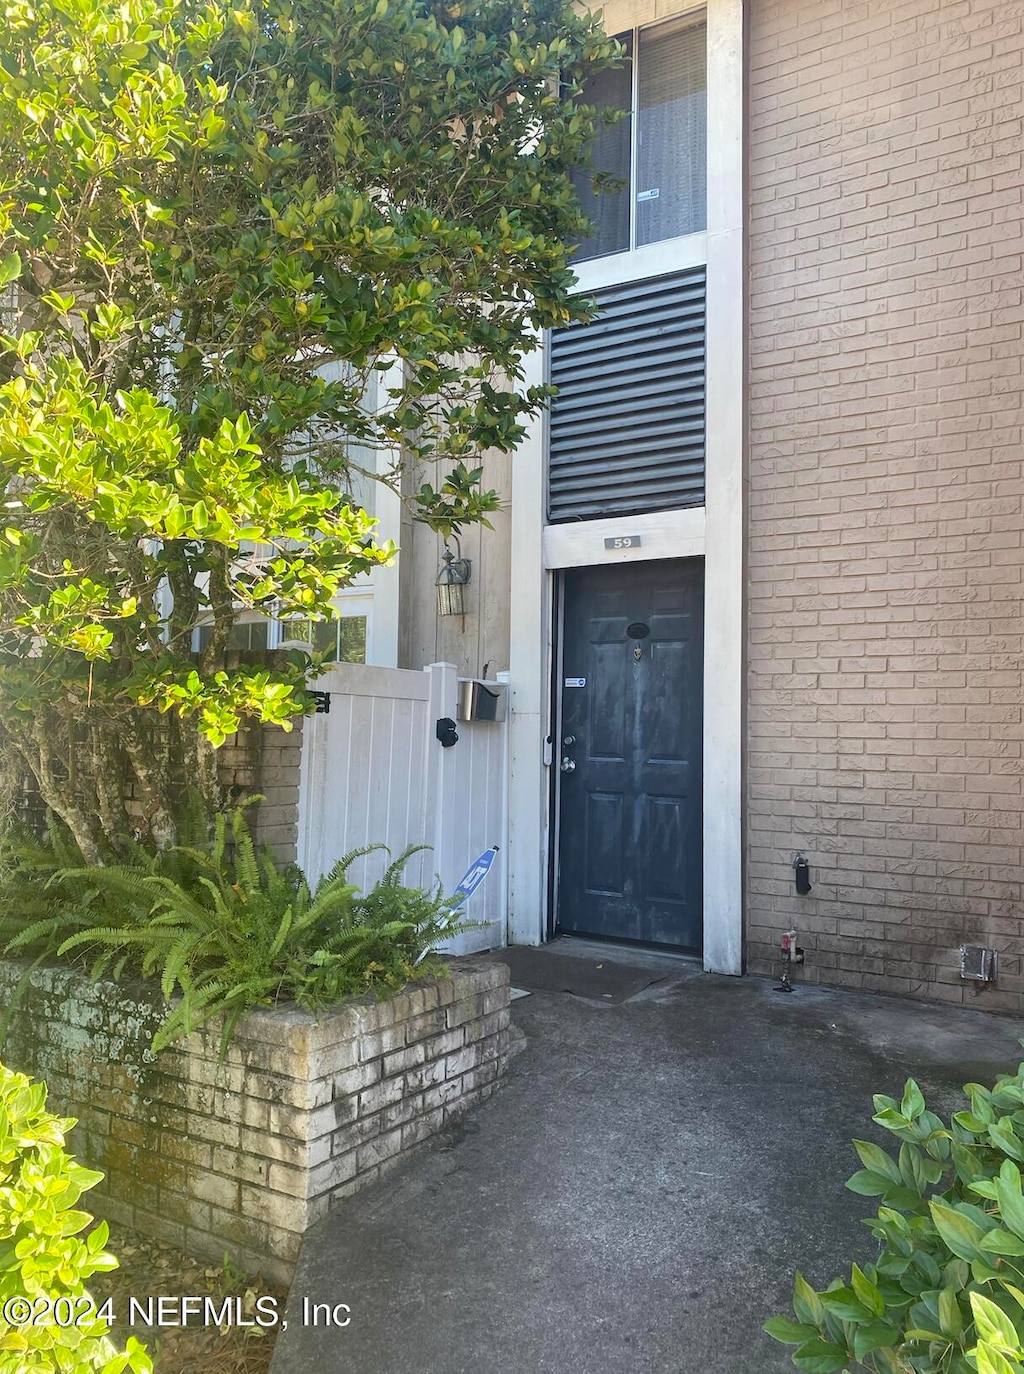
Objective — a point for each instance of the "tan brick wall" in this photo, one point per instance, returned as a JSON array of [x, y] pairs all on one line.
[[280, 758], [266, 760], [885, 618]]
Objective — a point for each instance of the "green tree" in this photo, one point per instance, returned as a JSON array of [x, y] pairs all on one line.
[[218, 223]]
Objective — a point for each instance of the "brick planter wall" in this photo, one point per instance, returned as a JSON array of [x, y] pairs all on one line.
[[242, 1156]]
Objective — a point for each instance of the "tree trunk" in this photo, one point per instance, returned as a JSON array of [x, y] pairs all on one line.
[[199, 761], [107, 777], [36, 748], [151, 767]]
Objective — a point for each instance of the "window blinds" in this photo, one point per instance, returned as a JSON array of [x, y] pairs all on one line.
[[671, 191]]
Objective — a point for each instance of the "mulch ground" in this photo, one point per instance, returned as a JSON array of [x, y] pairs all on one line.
[[148, 1270]]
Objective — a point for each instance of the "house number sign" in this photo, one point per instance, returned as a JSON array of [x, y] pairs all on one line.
[[622, 541]]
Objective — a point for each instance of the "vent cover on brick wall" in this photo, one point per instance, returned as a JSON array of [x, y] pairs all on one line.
[[627, 426]]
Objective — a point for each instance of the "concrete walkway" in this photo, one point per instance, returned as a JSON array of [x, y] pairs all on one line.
[[637, 1196]]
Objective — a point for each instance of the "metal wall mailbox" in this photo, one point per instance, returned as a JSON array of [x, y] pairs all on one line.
[[481, 700]]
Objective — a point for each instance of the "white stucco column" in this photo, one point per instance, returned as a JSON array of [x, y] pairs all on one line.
[[383, 647], [530, 637], [725, 519]]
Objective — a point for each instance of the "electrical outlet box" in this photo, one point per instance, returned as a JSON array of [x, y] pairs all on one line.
[[978, 963]]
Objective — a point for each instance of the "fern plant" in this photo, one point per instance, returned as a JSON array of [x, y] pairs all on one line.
[[43, 893], [28, 867], [225, 929]]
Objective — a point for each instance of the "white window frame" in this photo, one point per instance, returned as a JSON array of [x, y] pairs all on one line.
[[643, 260], [374, 594]]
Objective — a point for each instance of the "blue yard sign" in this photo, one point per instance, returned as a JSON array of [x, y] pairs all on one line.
[[474, 876], [468, 884]]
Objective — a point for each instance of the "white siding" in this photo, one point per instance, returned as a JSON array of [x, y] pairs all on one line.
[[373, 772]]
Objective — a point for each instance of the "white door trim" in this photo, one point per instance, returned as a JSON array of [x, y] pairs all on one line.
[[726, 403], [660, 534], [529, 690]]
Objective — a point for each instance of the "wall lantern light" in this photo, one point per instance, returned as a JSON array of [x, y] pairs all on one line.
[[452, 580]]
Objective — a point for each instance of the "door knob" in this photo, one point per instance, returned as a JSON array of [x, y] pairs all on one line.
[[568, 766]]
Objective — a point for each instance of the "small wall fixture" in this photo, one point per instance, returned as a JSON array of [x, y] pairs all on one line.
[[979, 963], [445, 732], [791, 954], [481, 701], [452, 580]]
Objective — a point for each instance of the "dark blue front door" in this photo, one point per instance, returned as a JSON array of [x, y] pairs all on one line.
[[629, 753]]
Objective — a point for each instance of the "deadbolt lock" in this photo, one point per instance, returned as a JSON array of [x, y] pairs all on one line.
[[569, 741]]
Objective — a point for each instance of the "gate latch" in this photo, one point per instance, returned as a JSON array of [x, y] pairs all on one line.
[[446, 732]]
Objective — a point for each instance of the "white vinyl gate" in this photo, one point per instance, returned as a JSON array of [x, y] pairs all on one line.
[[373, 771]]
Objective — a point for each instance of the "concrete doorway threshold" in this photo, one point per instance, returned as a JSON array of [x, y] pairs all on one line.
[[637, 1196]]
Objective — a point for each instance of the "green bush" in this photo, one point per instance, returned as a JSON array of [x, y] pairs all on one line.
[[946, 1292], [43, 1259], [226, 929]]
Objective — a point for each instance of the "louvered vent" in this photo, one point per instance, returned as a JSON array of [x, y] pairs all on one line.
[[627, 425]]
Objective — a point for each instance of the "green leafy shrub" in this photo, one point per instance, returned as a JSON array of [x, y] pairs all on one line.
[[227, 929], [43, 1257], [946, 1293]]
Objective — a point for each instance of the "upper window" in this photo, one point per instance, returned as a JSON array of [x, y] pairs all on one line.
[[655, 158]]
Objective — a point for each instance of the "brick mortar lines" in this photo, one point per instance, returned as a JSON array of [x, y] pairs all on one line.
[[886, 497], [217, 1167]]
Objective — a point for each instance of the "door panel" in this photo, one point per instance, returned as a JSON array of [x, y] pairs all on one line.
[[630, 784], [606, 702], [605, 837]]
